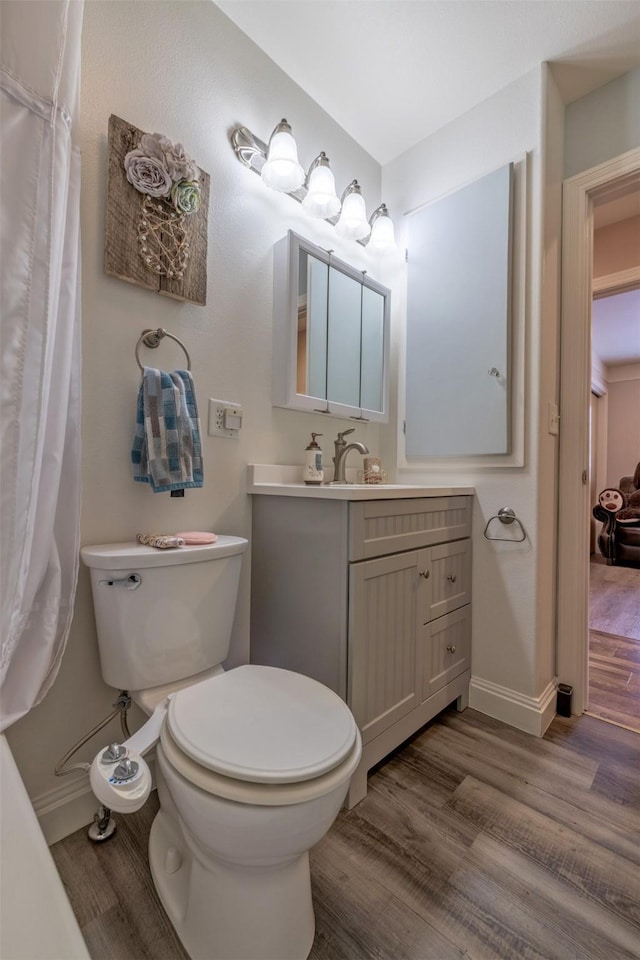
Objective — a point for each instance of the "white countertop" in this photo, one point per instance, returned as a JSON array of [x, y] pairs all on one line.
[[283, 481]]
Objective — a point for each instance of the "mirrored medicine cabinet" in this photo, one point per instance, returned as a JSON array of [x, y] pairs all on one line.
[[460, 297], [331, 334]]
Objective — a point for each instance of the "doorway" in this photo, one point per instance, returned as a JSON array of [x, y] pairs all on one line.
[[614, 435], [581, 195]]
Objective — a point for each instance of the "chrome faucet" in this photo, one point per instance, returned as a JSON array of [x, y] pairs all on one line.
[[342, 449]]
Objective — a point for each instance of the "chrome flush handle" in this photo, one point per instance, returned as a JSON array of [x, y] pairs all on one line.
[[132, 582]]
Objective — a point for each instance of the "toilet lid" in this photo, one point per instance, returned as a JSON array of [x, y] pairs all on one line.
[[263, 725]]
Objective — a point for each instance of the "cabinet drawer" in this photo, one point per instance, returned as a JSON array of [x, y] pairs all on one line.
[[446, 649], [450, 567], [380, 527]]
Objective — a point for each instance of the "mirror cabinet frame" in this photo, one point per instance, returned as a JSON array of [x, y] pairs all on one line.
[[285, 331]]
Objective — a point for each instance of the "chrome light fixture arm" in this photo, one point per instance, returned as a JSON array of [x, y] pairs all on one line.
[[249, 149]]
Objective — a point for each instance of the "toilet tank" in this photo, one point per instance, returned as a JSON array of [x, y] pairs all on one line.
[[162, 615]]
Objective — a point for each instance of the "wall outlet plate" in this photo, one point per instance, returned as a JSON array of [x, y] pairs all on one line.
[[222, 412]]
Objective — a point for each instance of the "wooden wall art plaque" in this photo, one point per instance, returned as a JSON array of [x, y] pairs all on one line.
[[156, 217]]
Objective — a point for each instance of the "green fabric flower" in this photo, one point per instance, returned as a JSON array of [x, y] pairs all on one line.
[[185, 196]]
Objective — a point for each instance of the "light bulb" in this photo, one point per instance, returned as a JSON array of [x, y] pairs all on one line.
[[321, 200], [281, 170], [382, 239], [353, 221]]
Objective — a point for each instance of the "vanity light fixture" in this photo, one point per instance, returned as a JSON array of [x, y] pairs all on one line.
[[281, 170], [277, 164], [382, 238], [352, 222], [321, 200]]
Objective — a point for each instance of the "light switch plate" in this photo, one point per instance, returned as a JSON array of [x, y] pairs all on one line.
[[217, 419], [553, 419]]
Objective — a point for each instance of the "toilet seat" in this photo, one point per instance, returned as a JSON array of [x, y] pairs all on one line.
[[259, 725], [258, 794]]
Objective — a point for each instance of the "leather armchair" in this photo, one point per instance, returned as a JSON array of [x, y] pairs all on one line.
[[619, 511]]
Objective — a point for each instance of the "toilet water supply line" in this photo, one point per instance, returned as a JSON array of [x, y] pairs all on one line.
[[103, 826], [119, 777], [122, 706]]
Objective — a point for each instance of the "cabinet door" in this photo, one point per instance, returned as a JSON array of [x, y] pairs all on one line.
[[450, 566], [446, 649], [384, 672]]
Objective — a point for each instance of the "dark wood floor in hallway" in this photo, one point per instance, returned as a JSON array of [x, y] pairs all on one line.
[[475, 841]]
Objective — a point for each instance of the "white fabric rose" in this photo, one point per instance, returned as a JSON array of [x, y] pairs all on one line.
[[155, 145], [179, 163], [147, 174]]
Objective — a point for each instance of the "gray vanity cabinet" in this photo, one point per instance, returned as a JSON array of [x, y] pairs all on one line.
[[371, 598]]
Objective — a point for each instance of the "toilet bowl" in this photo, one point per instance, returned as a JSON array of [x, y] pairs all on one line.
[[253, 763], [247, 841]]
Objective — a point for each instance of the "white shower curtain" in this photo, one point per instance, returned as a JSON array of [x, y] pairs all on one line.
[[40, 345]]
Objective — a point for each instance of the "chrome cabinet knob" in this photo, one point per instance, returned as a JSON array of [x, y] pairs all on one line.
[[452, 577], [425, 574], [451, 648]]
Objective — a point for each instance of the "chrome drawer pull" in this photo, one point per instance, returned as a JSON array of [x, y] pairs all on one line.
[[452, 577], [451, 648], [425, 574]]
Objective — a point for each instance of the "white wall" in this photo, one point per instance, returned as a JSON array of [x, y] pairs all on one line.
[[181, 68], [513, 642], [603, 124], [616, 247], [623, 422]]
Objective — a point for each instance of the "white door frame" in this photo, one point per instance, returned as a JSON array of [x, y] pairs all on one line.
[[580, 193]]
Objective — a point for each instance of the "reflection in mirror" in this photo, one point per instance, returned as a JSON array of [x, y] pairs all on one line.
[[312, 327], [331, 334], [343, 347], [372, 359]]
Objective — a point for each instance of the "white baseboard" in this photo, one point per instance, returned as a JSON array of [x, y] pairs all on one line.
[[65, 809], [71, 806], [531, 714]]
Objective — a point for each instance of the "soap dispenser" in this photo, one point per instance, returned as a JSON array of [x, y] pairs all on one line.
[[313, 471]]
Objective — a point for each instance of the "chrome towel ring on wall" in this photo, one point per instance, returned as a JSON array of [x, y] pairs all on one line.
[[506, 515], [152, 338]]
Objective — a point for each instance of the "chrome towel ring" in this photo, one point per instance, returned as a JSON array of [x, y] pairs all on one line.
[[152, 338], [506, 515]]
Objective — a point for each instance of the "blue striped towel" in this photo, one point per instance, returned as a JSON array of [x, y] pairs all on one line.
[[167, 452]]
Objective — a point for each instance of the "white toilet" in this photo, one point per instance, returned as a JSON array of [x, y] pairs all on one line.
[[253, 764]]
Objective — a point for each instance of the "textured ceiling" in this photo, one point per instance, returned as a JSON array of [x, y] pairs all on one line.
[[391, 72]]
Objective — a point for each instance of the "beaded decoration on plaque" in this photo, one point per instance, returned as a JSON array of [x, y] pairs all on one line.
[[162, 239]]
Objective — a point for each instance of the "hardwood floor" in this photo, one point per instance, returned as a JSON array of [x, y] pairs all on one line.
[[614, 679], [614, 600], [614, 644], [475, 841]]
